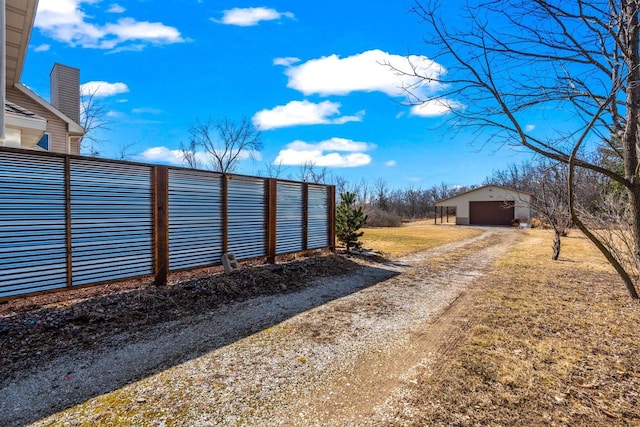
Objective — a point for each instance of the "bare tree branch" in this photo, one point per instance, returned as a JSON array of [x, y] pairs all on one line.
[[225, 142], [508, 59]]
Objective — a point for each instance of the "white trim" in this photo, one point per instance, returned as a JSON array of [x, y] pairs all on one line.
[[26, 122], [74, 128]]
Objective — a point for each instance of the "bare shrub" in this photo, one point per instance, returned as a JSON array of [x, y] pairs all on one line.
[[381, 218]]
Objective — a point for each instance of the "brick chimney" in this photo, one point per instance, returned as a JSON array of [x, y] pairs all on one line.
[[65, 90]]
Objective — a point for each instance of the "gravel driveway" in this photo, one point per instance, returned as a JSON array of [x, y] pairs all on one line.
[[334, 353]]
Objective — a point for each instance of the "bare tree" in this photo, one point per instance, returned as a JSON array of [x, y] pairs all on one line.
[[381, 188], [341, 183], [125, 151], [508, 59], [273, 170], [546, 181], [225, 142], [93, 118], [189, 153], [309, 172]]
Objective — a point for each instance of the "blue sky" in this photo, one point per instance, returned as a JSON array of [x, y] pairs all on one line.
[[308, 74]]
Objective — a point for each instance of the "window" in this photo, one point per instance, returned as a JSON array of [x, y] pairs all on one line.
[[44, 142]]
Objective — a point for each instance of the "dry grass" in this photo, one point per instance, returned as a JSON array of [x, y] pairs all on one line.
[[551, 343], [417, 236]]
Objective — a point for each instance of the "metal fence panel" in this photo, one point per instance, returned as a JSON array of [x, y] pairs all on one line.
[[247, 219], [318, 217], [289, 230], [33, 245], [111, 221], [195, 218]]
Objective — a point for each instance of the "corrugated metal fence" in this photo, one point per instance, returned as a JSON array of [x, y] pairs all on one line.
[[69, 221]]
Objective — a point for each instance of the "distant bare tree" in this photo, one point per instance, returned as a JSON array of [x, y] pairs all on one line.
[[93, 118], [551, 201], [125, 152], [381, 188], [189, 153], [341, 184], [310, 173], [225, 142], [273, 170]]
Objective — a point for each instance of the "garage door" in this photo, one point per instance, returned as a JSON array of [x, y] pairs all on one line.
[[491, 213]]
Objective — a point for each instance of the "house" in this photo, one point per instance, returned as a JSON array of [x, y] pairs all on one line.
[[28, 120], [489, 205]]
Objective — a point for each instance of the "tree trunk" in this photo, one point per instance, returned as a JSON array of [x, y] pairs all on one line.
[[634, 199], [556, 245]]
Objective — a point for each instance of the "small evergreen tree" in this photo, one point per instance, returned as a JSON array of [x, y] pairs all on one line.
[[349, 219]]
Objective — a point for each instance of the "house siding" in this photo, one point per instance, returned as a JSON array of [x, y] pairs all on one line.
[[56, 127]]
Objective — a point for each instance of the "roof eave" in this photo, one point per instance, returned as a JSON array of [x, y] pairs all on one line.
[[32, 7], [479, 188], [73, 127]]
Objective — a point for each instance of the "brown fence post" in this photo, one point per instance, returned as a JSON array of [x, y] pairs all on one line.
[[67, 197], [161, 223], [225, 213], [272, 202], [305, 216], [332, 217]]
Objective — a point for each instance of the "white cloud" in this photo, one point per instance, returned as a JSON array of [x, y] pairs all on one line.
[[329, 153], [42, 48], [67, 22], [303, 113], [163, 155], [176, 157], [114, 114], [127, 29], [369, 71], [287, 61], [333, 144], [529, 128], [100, 89], [116, 8], [435, 108], [146, 110], [250, 16], [390, 163]]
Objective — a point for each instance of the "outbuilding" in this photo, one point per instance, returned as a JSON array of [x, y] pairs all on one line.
[[487, 205]]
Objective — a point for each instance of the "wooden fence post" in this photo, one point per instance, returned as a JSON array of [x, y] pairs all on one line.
[[225, 213], [332, 218], [67, 197], [305, 216], [161, 223], [272, 209]]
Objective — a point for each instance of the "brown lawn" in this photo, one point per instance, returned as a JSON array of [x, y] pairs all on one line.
[[548, 343]]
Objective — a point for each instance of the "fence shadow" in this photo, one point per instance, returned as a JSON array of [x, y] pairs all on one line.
[[83, 371]]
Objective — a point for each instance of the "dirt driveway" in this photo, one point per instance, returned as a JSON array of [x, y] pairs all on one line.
[[336, 353]]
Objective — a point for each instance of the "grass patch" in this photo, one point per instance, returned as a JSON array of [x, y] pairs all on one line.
[[417, 236], [549, 343]]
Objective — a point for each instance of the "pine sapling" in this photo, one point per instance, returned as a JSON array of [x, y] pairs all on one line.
[[349, 219]]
